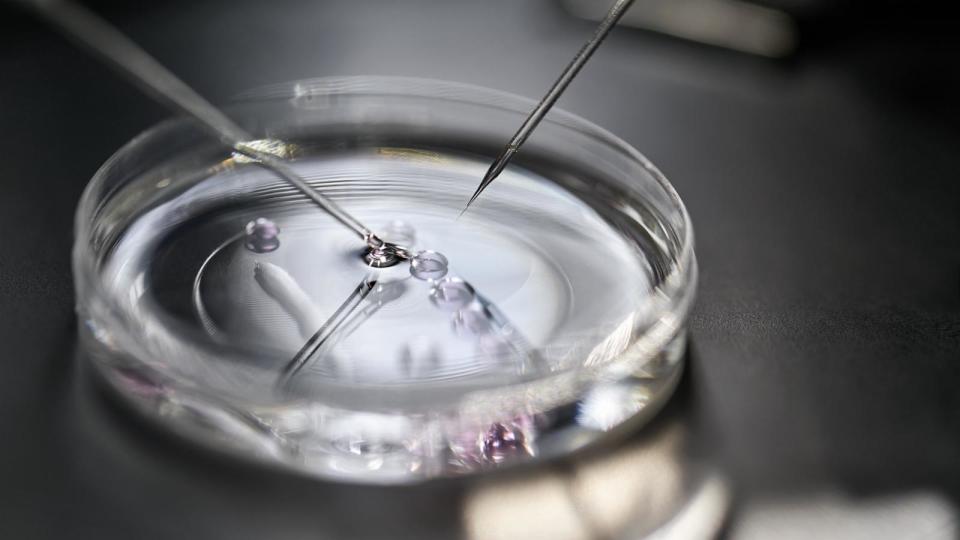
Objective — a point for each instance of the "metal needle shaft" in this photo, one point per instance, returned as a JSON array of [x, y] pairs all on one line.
[[322, 336], [129, 59], [617, 11]]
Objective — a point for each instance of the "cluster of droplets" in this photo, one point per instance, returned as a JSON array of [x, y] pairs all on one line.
[[501, 441]]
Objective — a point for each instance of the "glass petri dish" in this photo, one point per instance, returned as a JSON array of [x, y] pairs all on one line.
[[218, 300]]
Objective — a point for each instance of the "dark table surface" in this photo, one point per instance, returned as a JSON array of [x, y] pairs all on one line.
[[825, 354]]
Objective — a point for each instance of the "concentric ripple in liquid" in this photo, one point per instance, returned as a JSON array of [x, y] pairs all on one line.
[[242, 284]]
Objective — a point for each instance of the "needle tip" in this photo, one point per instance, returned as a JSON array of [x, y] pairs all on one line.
[[473, 198], [488, 178]]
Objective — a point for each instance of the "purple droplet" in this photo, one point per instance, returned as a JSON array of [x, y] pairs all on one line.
[[262, 236], [495, 444], [502, 442]]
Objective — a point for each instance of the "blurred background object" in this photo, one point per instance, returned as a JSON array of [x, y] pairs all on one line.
[[733, 24], [822, 186]]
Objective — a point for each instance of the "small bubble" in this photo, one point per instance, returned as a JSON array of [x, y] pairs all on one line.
[[262, 236], [428, 265], [452, 294]]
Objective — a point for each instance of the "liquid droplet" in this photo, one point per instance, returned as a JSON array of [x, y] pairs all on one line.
[[428, 265], [387, 291], [505, 441], [471, 323], [262, 236], [452, 294]]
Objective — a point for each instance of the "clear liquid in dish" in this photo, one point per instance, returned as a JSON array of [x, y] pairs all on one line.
[[257, 311]]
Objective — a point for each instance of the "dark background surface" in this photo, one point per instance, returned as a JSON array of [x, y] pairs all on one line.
[[824, 191]]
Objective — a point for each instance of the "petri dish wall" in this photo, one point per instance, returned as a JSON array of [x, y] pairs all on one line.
[[221, 302]]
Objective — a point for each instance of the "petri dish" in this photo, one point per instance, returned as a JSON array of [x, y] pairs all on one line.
[[222, 303]]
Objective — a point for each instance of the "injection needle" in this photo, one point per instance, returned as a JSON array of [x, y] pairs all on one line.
[[128, 58], [617, 11]]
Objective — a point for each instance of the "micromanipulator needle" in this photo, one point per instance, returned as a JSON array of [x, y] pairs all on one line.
[[128, 58], [617, 11]]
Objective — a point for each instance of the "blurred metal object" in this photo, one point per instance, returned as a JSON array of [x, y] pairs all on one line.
[[609, 21], [99, 36], [322, 337], [732, 24]]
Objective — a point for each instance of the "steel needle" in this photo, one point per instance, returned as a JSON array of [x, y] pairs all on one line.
[[129, 59], [617, 11]]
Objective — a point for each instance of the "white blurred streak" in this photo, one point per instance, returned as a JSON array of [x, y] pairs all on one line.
[[732, 24], [613, 345], [280, 285], [642, 487], [702, 517], [608, 405], [831, 515], [539, 508]]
